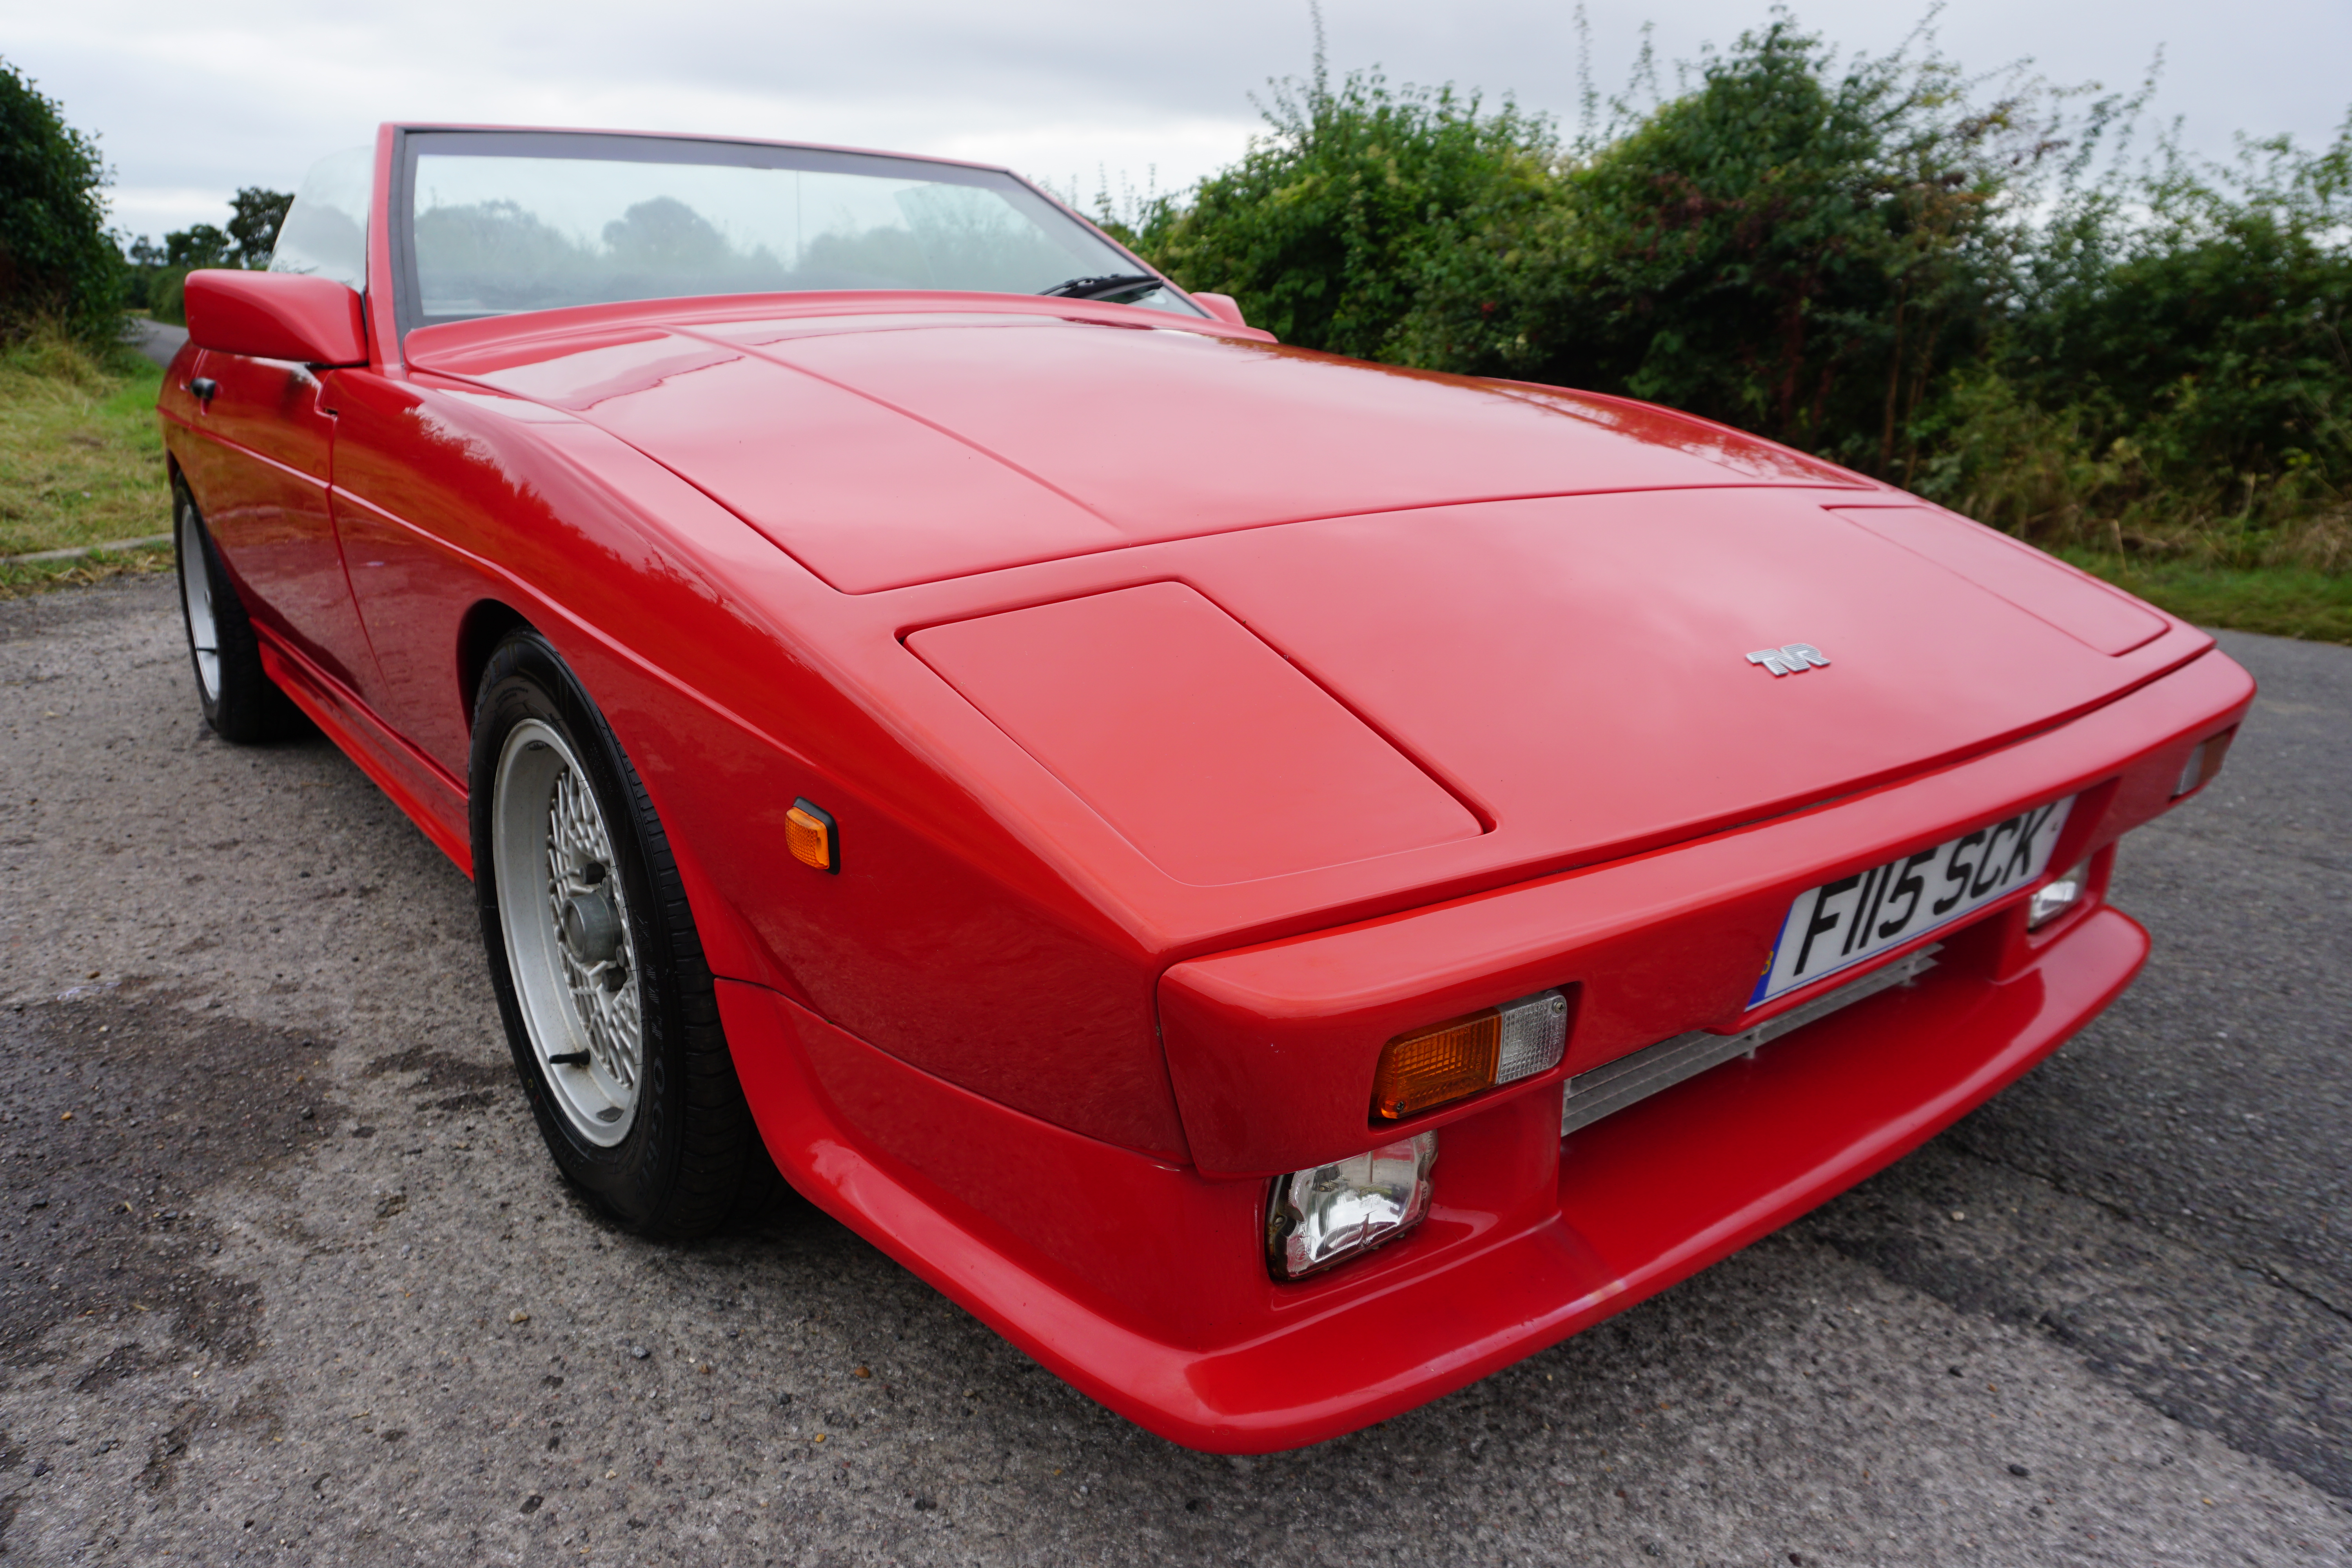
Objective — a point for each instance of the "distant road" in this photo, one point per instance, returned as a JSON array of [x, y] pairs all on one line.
[[159, 340]]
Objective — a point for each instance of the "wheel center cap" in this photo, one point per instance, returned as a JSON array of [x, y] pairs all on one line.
[[591, 930]]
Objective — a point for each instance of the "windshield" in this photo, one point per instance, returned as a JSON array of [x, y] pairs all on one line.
[[505, 222], [325, 231]]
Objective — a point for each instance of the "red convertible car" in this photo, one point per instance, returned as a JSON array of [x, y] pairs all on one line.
[[1283, 885]]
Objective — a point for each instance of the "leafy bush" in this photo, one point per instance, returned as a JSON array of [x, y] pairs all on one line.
[[56, 263], [2183, 338], [1793, 249], [1955, 283], [256, 216], [1321, 231]]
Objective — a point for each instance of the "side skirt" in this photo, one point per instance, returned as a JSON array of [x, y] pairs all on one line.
[[434, 800]]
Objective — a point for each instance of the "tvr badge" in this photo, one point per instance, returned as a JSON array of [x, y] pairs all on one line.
[[1794, 659]]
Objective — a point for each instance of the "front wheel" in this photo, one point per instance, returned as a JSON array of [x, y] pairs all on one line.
[[609, 1006]]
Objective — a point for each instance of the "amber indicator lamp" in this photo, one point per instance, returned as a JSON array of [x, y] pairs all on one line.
[[1432, 1066], [1444, 1062], [810, 835]]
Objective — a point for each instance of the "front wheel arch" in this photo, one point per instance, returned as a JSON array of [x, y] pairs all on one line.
[[691, 1157], [486, 623]]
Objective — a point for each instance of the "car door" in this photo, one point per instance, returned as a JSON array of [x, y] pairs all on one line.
[[260, 474]]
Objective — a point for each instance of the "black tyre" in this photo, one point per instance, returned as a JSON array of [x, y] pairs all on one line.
[[239, 701], [608, 1002]]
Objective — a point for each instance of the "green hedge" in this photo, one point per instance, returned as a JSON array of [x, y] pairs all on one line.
[[57, 263], [1957, 284]]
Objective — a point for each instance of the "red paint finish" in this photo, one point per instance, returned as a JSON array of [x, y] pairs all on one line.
[[1273, 1047], [906, 499], [1575, 666], [1531, 1241], [1124, 432], [276, 315], [1224, 307], [720, 709], [260, 480], [434, 800], [1197, 713], [2075, 602], [1215, 758]]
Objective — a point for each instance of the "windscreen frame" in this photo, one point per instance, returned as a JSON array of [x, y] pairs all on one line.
[[634, 147]]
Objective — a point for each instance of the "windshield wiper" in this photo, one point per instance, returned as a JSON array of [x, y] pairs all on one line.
[[1106, 288]]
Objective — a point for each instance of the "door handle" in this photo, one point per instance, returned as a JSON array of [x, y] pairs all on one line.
[[206, 388]]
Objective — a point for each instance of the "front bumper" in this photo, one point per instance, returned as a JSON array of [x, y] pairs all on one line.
[[1142, 1283]]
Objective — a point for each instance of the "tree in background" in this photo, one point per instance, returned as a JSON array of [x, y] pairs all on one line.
[[1322, 230], [2181, 354], [1962, 284], [57, 263], [256, 216], [1797, 249]]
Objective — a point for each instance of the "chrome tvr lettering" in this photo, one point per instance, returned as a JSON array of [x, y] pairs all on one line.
[[1794, 659]]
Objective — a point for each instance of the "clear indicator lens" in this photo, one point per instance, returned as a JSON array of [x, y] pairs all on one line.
[[1534, 1030], [2192, 772], [2057, 898], [1335, 1211]]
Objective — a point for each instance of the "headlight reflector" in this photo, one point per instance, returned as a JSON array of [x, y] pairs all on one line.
[[1447, 1061], [1336, 1212]]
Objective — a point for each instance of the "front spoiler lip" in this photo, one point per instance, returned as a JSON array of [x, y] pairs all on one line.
[[1646, 1199]]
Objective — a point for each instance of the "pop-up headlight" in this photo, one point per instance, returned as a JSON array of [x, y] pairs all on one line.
[[1339, 1211]]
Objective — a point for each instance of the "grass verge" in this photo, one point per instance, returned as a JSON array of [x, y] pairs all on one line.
[[2282, 601], [18, 579], [80, 464]]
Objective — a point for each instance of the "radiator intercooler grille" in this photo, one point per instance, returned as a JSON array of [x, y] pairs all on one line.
[[1614, 1086]]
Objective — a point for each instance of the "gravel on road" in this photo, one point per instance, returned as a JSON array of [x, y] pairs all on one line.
[[286, 1275]]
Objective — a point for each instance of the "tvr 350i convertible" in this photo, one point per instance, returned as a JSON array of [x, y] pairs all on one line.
[[1283, 885]]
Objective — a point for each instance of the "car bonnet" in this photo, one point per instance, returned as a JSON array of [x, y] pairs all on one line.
[[888, 450]]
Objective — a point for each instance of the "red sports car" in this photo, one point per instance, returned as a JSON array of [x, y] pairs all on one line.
[[1281, 884]]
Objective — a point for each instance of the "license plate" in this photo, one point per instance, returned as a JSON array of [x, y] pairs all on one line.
[[1840, 924]]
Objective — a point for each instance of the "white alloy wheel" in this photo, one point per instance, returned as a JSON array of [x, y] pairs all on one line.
[[196, 594], [566, 923]]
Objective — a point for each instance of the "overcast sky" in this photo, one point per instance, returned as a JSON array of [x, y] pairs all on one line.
[[191, 101]]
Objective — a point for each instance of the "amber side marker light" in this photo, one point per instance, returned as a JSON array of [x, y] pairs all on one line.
[[810, 835], [1449, 1061]]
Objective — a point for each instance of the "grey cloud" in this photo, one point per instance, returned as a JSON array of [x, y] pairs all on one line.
[[236, 94]]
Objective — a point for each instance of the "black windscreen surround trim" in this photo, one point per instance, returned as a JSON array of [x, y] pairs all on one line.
[[623, 147]]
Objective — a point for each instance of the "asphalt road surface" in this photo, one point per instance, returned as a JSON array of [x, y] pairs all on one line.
[[159, 340], [285, 1273]]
